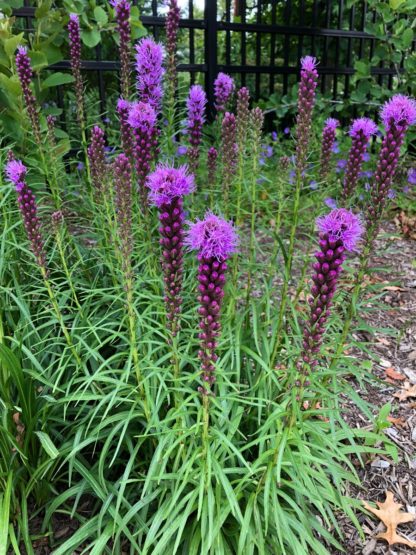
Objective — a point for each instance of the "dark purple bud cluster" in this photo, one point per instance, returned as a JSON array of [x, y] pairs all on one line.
[[211, 277], [122, 8], [172, 26], [328, 139], [75, 57], [306, 102], [284, 163], [125, 129], [123, 204], [243, 116], [24, 71], [196, 117], [96, 156]]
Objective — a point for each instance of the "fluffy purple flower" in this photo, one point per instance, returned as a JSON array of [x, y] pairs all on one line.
[[340, 231], [411, 176], [167, 183], [16, 172], [306, 101], [195, 104], [122, 8], [149, 68], [363, 126], [25, 73], [361, 131], [213, 237], [328, 140], [341, 225], [400, 110], [168, 186], [141, 115], [223, 89], [74, 34]]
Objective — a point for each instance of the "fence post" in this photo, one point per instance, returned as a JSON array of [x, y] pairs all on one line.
[[210, 52]]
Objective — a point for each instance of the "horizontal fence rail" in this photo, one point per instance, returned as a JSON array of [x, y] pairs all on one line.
[[238, 38]]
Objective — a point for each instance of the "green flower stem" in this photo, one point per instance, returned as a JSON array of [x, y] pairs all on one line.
[[288, 270], [253, 190], [61, 250]]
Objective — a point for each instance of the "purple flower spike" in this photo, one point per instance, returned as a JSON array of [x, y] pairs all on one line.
[[328, 140], [75, 56], [361, 132], [122, 8], [306, 102], [16, 173], [340, 231], [195, 103], [167, 183], [25, 73], [149, 59], [123, 204], [400, 111], [142, 119], [123, 107], [212, 167], [215, 239], [397, 114], [172, 26], [168, 186], [96, 156], [229, 151], [243, 117], [223, 89], [341, 225]]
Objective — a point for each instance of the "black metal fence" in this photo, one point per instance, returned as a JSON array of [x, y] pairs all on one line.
[[259, 42]]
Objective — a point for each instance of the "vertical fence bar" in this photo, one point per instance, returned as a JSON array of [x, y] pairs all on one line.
[[272, 48], [211, 43], [243, 10], [337, 48], [286, 48], [191, 41], [258, 49]]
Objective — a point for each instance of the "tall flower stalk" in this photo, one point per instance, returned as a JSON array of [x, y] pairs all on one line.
[[126, 136], [229, 153], [16, 173], [74, 34], [242, 122], [361, 132], [25, 74], [339, 232], [168, 186], [98, 165], [306, 102], [122, 8], [328, 140], [195, 103], [256, 125], [172, 27], [215, 240]]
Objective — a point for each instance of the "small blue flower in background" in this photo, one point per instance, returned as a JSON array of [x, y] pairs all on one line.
[[80, 166], [286, 130], [107, 120], [368, 174], [391, 194], [313, 185], [411, 176], [292, 176], [181, 150], [269, 152], [406, 189], [274, 136], [366, 157], [367, 187], [262, 161], [335, 147], [331, 203], [261, 180]]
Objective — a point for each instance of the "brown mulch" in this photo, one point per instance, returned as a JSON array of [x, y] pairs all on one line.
[[395, 352]]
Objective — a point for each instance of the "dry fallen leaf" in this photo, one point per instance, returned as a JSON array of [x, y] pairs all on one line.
[[407, 224], [407, 391], [390, 514], [398, 422], [393, 374]]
